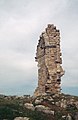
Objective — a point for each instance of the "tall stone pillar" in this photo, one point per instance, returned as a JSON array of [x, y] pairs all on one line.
[[49, 60]]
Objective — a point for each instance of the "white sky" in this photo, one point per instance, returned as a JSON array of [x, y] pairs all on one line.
[[21, 23]]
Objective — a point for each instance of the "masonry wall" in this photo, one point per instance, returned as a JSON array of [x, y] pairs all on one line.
[[49, 60]]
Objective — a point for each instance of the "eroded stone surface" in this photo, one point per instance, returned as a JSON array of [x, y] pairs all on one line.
[[44, 109], [49, 61], [29, 106], [21, 118]]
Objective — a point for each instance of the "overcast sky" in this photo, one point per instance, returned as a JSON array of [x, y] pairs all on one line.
[[21, 23]]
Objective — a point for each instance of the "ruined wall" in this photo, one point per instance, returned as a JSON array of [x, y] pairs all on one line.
[[49, 61]]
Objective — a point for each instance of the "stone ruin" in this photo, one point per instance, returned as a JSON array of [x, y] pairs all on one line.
[[49, 61]]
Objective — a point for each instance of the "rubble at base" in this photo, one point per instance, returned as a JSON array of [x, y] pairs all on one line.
[[43, 107]]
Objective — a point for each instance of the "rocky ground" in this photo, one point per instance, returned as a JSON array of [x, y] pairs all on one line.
[[46, 107]]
